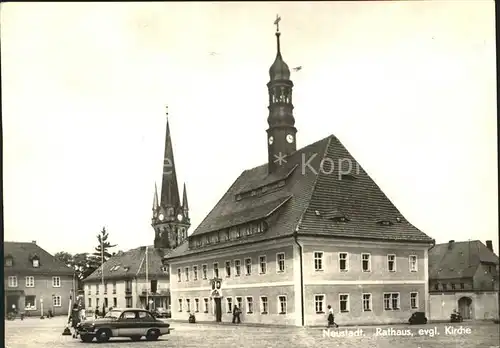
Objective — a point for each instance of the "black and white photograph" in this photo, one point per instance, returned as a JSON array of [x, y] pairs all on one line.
[[250, 174]]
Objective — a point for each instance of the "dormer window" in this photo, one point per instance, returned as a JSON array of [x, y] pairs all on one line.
[[348, 177], [385, 223], [9, 262], [207, 240], [36, 262], [339, 219]]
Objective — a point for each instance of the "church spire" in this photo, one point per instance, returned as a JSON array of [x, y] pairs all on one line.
[[281, 132], [169, 189], [185, 199], [155, 199]]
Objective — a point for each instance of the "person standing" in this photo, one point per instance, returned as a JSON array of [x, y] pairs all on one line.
[[331, 317], [74, 319], [236, 315]]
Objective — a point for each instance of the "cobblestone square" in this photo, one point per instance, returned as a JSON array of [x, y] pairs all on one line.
[[48, 333]]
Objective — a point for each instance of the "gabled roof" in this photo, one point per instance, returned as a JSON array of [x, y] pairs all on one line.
[[130, 264], [303, 193], [461, 261], [22, 255]]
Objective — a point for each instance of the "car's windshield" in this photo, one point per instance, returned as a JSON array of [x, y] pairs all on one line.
[[113, 314]]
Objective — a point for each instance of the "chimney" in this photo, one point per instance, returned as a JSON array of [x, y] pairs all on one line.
[[34, 241], [489, 245], [450, 244]]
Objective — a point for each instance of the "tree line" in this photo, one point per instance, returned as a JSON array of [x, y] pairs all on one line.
[[85, 264]]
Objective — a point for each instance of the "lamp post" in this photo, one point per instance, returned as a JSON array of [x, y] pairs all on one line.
[[41, 309]]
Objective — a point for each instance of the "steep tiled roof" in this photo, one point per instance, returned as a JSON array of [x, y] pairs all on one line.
[[22, 255], [310, 193], [130, 264], [461, 261]]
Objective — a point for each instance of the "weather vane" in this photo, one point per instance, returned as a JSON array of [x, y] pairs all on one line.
[[277, 23]]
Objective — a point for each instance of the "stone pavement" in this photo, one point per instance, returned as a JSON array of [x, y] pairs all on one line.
[[47, 333]]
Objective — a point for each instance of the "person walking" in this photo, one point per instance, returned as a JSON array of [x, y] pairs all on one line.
[[74, 319], [236, 315], [331, 317]]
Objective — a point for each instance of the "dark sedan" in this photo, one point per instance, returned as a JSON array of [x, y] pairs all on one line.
[[127, 322]]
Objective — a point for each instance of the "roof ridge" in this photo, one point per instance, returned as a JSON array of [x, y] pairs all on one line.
[[314, 184]]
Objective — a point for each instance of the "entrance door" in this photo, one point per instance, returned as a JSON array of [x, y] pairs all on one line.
[[218, 309], [12, 303], [465, 307]]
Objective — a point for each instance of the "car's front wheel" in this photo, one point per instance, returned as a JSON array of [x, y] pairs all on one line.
[[103, 335], [152, 335], [86, 338]]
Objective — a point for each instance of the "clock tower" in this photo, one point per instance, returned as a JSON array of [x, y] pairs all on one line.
[[281, 133], [170, 217]]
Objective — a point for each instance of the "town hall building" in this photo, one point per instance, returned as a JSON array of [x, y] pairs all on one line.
[[137, 278], [305, 230]]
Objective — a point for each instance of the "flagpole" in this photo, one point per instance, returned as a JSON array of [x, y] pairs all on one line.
[[102, 270], [147, 289]]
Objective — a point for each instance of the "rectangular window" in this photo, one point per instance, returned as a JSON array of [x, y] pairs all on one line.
[[239, 303], [343, 265], [186, 273], [391, 301], [462, 286], [105, 288], [413, 263], [90, 303], [188, 305], [391, 263], [367, 302], [248, 267], [196, 305], [204, 271], [365, 262], [445, 287], [237, 268], [280, 262], [228, 269], [263, 264], [229, 304], [195, 272], [452, 286], [318, 260], [30, 282], [97, 303], [319, 303], [344, 302], [36, 263], [115, 302], [205, 305], [180, 305], [249, 305], [216, 270], [30, 303], [414, 300], [114, 288], [179, 276], [281, 304], [56, 282], [106, 304], [12, 282], [56, 301], [263, 305], [128, 302], [97, 289]]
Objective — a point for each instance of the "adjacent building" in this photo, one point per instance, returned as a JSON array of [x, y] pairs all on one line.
[[464, 276], [137, 278], [34, 281], [305, 230]]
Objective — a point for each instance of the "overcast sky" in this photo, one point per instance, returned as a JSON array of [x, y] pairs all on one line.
[[408, 87]]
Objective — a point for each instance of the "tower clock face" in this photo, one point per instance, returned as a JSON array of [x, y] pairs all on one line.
[[179, 217], [271, 140], [161, 217], [289, 138]]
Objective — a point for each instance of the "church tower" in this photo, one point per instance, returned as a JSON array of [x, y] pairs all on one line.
[[281, 133], [170, 216]]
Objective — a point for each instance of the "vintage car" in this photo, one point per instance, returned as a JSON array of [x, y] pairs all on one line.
[[161, 312], [126, 322]]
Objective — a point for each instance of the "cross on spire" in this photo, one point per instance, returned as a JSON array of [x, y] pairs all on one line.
[[277, 23], [166, 110]]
